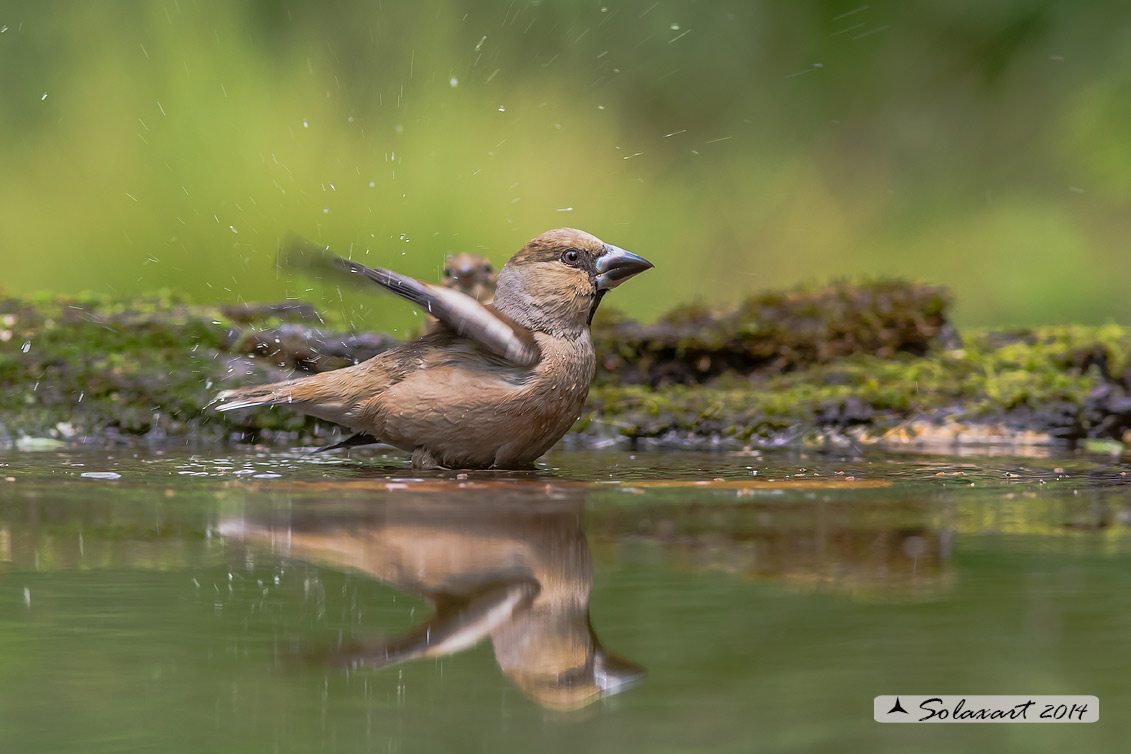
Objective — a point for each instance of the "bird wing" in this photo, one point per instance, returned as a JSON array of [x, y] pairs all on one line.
[[467, 317], [460, 622]]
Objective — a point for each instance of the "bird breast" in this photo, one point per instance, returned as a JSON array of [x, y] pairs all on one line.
[[566, 368], [467, 416]]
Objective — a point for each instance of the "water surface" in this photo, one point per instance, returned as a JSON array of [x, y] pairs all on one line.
[[609, 601]]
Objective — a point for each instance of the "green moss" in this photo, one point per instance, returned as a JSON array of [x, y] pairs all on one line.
[[1035, 380], [105, 368], [775, 332], [96, 366]]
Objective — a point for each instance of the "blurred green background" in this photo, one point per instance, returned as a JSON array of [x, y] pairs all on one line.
[[740, 145]]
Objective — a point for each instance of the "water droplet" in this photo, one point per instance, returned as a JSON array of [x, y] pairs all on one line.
[[502, 109], [454, 82], [43, 97], [325, 210], [305, 124], [26, 346], [233, 229], [101, 475], [675, 27]]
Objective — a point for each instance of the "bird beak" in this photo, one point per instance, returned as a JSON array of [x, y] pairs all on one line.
[[612, 674], [616, 265]]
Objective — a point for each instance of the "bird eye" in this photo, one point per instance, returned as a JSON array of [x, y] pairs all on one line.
[[487, 268], [447, 272], [571, 256]]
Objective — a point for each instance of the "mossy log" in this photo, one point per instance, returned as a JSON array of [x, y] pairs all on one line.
[[843, 363], [776, 332]]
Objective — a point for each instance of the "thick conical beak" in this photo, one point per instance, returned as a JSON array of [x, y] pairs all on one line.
[[616, 265], [612, 674]]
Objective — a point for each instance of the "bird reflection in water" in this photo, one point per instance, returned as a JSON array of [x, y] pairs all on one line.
[[492, 563]]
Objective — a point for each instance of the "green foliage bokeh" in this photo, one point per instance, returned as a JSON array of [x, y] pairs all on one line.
[[740, 145]]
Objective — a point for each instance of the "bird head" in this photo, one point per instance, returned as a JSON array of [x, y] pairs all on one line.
[[471, 274], [555, 282]]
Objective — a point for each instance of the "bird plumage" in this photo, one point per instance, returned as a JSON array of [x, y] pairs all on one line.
[[492, 385], [472, 274]]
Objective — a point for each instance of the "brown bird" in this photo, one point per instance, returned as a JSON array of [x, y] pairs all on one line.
[[493, 568], [468, 273], [494, 386], [472, 274]]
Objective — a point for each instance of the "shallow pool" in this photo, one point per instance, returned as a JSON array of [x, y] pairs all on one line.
[[609, 601]]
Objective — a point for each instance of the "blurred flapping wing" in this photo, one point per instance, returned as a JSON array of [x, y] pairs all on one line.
[[464, 315]]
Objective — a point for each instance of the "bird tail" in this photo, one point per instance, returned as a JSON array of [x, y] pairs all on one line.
[[319, 395], [275, 394]]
